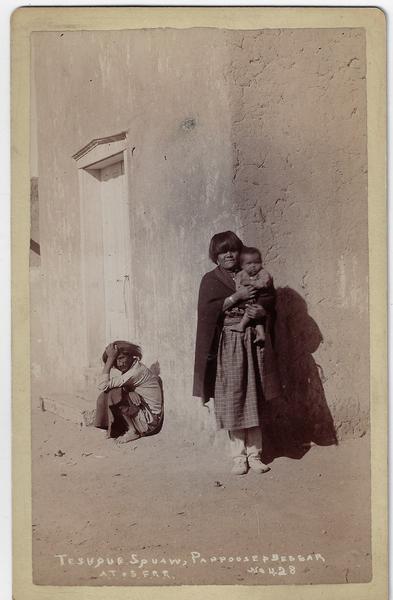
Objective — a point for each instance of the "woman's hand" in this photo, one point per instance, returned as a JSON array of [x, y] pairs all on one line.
[[254, 311], [246, 292]]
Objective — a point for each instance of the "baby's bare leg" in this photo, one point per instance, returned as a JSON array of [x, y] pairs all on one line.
[[260, 336], [242, 325]]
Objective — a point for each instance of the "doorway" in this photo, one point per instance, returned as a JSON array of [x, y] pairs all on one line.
[[106, 246]]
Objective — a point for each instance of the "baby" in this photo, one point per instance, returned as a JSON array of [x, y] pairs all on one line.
[[252, 273]]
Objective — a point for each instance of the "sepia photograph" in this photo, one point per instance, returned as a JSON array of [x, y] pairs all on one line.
[[199, 304]]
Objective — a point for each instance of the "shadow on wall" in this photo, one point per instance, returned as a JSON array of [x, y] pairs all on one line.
[[120, 427], [301, 415], [156, 370]]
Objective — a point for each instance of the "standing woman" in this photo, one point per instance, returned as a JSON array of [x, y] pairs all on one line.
[[229, 367]]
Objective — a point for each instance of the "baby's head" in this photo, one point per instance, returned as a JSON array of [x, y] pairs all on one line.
[[251, 260]]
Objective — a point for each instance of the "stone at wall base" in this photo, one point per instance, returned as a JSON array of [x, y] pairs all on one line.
[[72, 407]]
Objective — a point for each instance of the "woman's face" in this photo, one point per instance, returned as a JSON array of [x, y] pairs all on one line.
[[228, 260]]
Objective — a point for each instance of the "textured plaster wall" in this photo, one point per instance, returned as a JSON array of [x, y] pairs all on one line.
[[259, 132], [300, 188]]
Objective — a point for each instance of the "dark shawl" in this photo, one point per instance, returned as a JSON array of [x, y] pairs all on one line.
[[215, 287]]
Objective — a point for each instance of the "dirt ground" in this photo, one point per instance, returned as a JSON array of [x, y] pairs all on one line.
[[166, 510]]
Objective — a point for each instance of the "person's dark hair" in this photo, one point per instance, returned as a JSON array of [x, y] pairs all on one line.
[[251, 250], [222, 242], [125, 348]]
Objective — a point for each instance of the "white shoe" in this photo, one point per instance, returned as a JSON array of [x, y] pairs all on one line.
[[255, 463], [239, 466]]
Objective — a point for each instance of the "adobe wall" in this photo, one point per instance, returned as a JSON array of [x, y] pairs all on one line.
[[260, 132]]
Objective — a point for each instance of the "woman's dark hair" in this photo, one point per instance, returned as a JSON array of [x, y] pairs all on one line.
[[125, 348], [222, 242], [251, 250]]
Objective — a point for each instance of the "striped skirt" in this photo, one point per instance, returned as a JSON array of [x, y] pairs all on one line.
[[239, 397]]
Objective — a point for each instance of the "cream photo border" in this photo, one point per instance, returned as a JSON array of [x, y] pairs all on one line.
[[30, 19]]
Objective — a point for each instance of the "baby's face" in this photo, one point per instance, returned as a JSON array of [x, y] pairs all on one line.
[[251, 263]]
